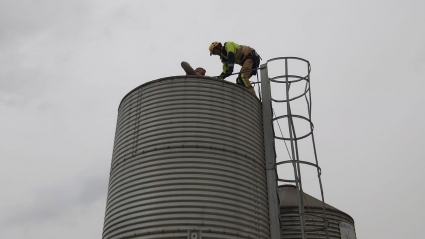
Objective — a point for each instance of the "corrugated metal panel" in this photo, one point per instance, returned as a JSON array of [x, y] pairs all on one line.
[[188, 155], [314, 219]]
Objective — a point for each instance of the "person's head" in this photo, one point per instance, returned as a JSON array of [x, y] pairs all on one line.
[[215, 48], [200, 71]]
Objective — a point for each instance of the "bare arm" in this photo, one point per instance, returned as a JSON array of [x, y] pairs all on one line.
[[187, 68]]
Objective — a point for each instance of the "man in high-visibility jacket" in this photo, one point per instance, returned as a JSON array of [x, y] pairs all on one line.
[[231, 53]]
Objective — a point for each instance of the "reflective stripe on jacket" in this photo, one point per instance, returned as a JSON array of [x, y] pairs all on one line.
[[232, 53]]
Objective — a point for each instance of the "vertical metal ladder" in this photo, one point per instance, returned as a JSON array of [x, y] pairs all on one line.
[[270, 151]]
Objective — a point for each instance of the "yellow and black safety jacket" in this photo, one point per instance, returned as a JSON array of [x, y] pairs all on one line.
[[232, 53]]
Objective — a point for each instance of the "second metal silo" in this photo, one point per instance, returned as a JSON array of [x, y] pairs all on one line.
[[314, 217], [188, 162]]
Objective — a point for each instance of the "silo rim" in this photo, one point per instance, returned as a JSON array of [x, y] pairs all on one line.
[[180, 77]]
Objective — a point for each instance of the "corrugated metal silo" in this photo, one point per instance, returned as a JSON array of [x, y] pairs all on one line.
[[314, 219], [188, 162]]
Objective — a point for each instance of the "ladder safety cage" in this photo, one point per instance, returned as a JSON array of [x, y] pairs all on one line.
[[293, 139]]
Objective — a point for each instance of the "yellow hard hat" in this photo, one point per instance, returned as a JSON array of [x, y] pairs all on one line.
[[213, 45]]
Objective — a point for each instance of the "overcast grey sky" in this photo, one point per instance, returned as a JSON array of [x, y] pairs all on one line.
[[65, 66]]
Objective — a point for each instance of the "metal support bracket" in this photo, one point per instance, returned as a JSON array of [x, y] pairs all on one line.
[[270, 156]]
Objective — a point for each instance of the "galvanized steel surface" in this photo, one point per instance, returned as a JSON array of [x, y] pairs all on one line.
[[188, 155], [314, 219]]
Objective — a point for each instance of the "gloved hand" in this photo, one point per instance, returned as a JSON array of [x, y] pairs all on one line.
[[220, 77], [228, 72]]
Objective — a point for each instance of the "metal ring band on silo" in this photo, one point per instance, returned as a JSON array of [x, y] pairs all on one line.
[[114, 166], [322, 228], [299, 161], [316, 228], [295, 116]]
